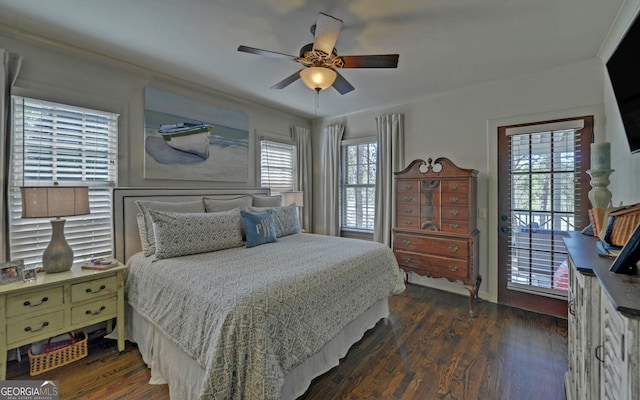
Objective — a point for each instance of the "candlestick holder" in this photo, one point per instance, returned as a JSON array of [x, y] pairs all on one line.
[[599, 195]]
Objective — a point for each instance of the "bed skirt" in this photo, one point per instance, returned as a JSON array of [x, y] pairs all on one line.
[[169, 365]]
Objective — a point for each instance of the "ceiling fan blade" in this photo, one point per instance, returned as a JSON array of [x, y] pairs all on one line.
[[326, 33], [260, 52], [371, 61], [287, 81], [342, 85]]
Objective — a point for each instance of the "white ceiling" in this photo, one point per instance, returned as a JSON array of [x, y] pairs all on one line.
[[444, 45]]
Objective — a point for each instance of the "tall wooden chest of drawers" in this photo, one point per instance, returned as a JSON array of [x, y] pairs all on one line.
[[435, 233]]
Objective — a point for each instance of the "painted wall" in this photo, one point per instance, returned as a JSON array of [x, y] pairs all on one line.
[[625, 185], [462, 126], [56, 72]]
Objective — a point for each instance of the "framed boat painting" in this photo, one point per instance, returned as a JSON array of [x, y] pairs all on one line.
[[185, 139]]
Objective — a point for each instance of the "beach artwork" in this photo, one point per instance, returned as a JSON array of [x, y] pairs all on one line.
[[186, 139]]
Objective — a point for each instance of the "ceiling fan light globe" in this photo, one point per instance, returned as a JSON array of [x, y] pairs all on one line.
[[318, 78]]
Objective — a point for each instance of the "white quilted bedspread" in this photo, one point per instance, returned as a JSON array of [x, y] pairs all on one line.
[[248, 316]]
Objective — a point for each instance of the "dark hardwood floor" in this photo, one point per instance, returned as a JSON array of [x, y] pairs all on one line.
[[429, 348]]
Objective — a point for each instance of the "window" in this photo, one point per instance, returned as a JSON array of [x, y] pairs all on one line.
[[277, 165], [72, 146], [358, 191]]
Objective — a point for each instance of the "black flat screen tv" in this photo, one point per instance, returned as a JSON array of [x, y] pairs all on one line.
[[624, 72]]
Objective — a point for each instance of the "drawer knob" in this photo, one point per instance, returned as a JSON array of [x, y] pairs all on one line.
[[102, 287], [409, 186], [452, 268], [453, 199], [409, 222], [30, 329], [30, 304], [408, 210], [406, 260], [453, 249], [454, 186], [454, 226], [453, 212], [408, 198], [89, 312], [406, 242]]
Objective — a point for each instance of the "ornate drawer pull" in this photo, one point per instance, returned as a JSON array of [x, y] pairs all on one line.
[[29, 304], [102, 287], [44, 325], [406, 260], [89, 312], [454, 226], [408, 210], [453, 212], [408, 198], [409, 222], [406, 242], [409, 186], [454, 186], [452, 268], [453, 249], [453, 199], [572, 307]]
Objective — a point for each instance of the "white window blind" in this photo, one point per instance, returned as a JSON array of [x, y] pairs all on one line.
[[277, 165], [72, 146], [358, 191]]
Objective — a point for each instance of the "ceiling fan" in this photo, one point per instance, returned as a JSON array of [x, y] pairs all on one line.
[[320, 59]]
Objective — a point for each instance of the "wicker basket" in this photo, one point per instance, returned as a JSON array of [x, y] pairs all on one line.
[[56, 355]]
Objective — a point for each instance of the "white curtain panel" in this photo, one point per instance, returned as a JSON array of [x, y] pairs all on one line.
[[9, 67], [331, 179], [390, 159], [304, 176]]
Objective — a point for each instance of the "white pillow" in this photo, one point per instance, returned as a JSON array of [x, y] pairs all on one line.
[[181, 234], [267, 201], [195, 206], [285, 219], [217, 205]]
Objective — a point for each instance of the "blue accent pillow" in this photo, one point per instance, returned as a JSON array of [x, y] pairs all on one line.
[[259, 227]]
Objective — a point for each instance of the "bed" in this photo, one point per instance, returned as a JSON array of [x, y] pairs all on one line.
[[245, 323]]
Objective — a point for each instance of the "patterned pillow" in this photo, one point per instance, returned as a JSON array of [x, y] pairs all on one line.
[[181, 234], [267, 201], [196, 206], [285, 219], [259, 227], [142, 230]]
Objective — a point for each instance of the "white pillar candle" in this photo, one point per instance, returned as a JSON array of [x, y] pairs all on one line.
[[600, 155]]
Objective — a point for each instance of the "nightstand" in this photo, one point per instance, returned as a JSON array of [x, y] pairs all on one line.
[[58, 303]]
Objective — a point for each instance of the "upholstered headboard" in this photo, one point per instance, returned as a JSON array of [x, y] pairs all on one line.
[[126, 240]]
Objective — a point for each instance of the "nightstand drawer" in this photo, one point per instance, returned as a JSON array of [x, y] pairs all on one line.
[[23, 303], [96, 310], [19, 328], [92, 289]]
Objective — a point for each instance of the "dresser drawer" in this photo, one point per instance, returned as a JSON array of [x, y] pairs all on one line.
[[92, 289], [84, 314], [455, 226], [457, 213], [433, 266], [432, 245], [23, 303], [408, 187], [408, 210], [408, 222], [456, 188], [21, 328]]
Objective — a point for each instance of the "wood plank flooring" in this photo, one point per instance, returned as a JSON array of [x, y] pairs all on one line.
[[428, 349]]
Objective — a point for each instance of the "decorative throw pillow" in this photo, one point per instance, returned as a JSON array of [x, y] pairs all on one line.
[[267, 201], [181, 234], [259, 227], [195, 206], [217, 205], [142, 230], [285, 219]]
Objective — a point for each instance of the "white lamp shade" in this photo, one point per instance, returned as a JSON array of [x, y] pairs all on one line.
[[54, 201], [296, 198], [318, 78]]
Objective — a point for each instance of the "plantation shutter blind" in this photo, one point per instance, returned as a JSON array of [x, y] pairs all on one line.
[[277, 165], [72, 146], [545, 196]]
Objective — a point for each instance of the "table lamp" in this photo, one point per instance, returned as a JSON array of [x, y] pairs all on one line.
[[55, 201]]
